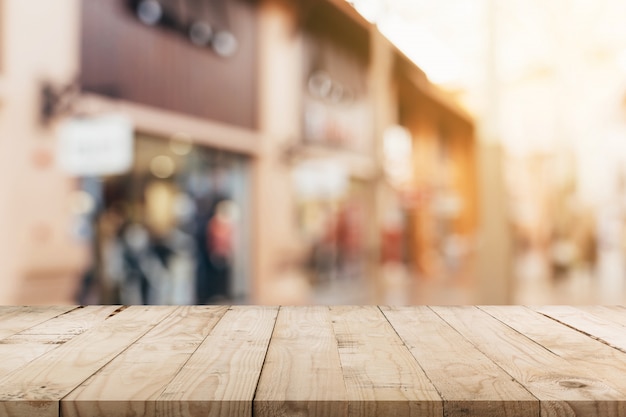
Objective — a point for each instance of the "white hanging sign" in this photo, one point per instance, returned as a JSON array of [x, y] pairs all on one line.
[[96, 146], [320, 179]]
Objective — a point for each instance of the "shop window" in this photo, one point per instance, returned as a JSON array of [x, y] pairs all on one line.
[[332, 211], [173, 230]]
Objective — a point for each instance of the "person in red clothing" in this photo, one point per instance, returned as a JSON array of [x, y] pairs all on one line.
[[220, 231]]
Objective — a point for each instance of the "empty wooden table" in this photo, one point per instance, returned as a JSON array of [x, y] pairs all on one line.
[[312, 361]]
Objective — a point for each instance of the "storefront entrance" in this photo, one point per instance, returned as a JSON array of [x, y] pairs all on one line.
[[173, 230]]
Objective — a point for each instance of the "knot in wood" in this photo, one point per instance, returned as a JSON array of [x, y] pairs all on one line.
[[572, 384]]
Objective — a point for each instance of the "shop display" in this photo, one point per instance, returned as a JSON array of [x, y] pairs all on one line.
[[169, 235]]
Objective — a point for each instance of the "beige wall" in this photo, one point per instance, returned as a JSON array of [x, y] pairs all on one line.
[[279, 121], [41, 43], [7, 261]]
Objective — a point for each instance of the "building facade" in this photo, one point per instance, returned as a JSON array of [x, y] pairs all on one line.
[[258, 155]]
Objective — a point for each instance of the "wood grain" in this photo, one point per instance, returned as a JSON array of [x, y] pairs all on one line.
[[381, 376], [130, 383], [21, 348], [562, 388], [6, 309], [469, 382], [356, 361], [221, 377], [609, 332], [615, 314], [588, 354], [37, 388], [16, 319], [74, 322], [302, 374]]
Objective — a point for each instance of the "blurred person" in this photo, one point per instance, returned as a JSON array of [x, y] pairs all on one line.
[[220, 235], [325, 249], [397, 281], [134, 287], [209, 190], [350, 226], [563, 254], [611, 266], [214, 237], [101, 280], [182, 260], [586, 241]]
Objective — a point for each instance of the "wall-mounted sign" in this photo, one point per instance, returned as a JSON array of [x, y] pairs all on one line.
[[96, 146], [320, 179]]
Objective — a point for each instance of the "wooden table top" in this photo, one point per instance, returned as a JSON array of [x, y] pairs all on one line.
[[312, 361]]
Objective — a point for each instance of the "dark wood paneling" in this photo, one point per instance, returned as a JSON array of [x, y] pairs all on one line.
[[123, 58], [324, 21]]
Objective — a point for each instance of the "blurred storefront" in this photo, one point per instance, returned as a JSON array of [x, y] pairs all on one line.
[[258, 168], [170, 230], [442, 201]]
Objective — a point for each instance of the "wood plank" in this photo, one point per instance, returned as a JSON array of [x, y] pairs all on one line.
[[612, 314], [73, 322], [609, 332], [302, 374], [7, 309], [579, 349], [381, 376], [469, 382], [616, 314], [129, 385], [37, 388], [221, 377], [16, 355], [15, 320], [23, 347], [562, 388]]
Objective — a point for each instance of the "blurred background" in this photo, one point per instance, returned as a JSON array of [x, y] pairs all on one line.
[[312, 152]]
